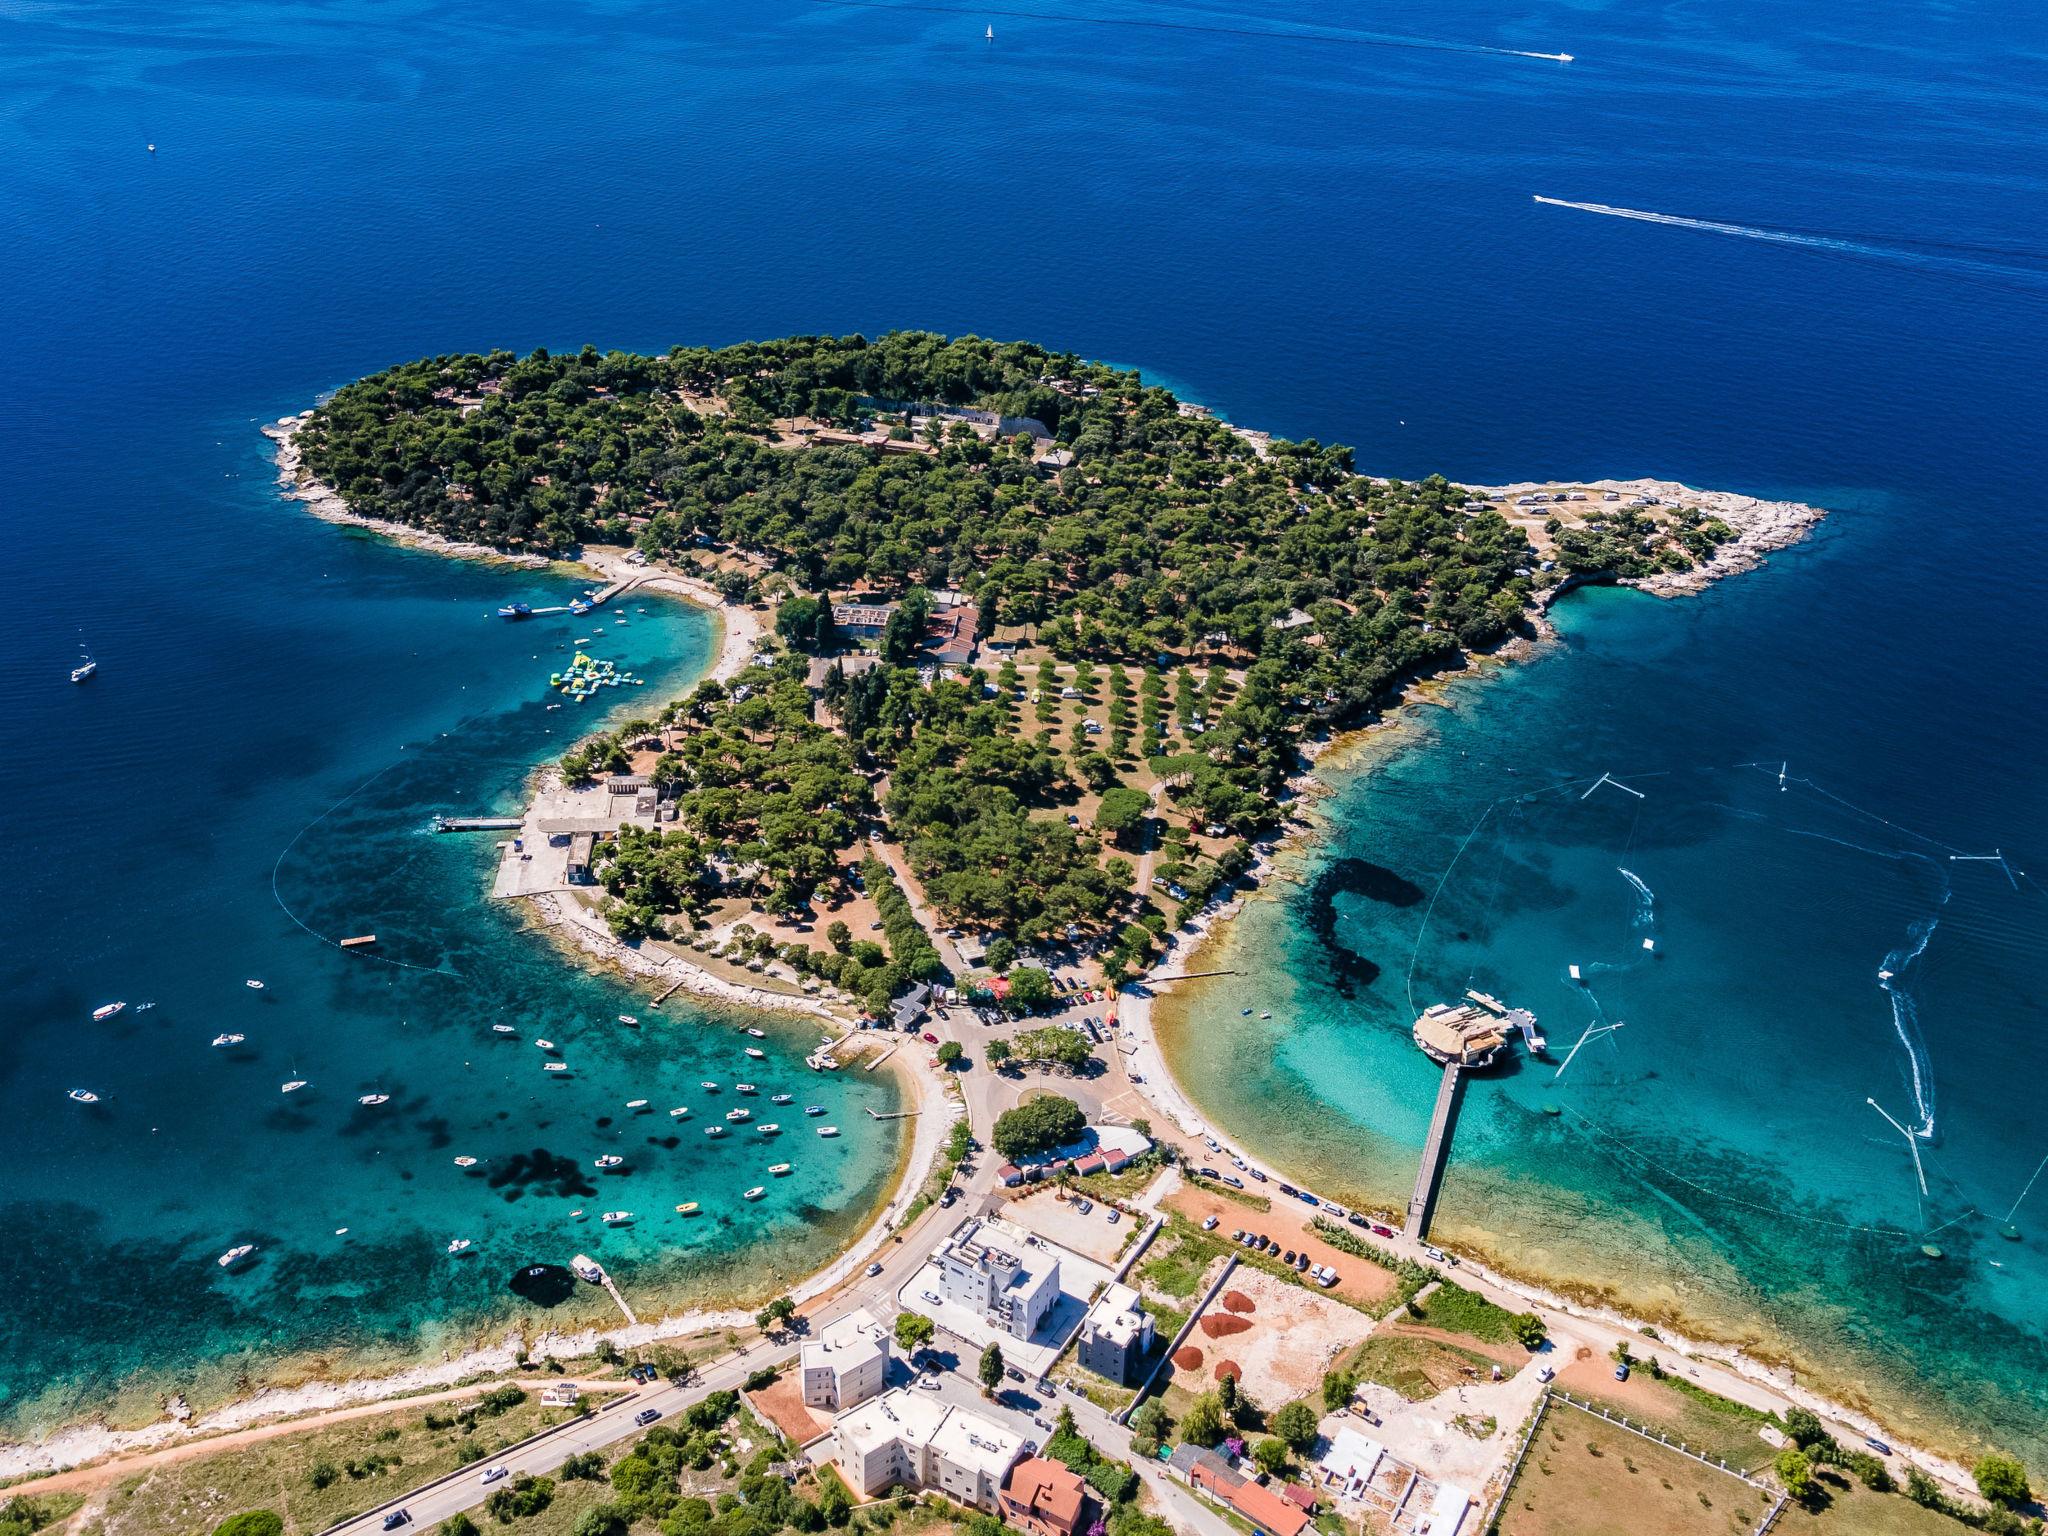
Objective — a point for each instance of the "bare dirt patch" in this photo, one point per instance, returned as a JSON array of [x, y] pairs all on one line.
[[782, 1404], [1188, 1358], [1237, 1301], [1288, 1339], [1358, 1281], [1586, 1477], [1228, 1368]]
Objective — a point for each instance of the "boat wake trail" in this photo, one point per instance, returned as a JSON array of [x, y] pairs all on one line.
[[1645, 918], [1904, 253], [1906, 1019]]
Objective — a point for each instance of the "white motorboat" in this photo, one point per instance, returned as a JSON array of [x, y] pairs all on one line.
[[757, 1053], [220, 1040], [714, 1130], [502, 1029], [465, 1162], [614, 1218], [814, 1109], [828, 1130], [610, 1160], [82, 1096], [771, 1129], [253, 984], [636, 1103], [758, 1034], [235, 1255], [373, 1098], [709, 1087], [556, 1066], [778, 1169], [107, 1011], [783, 1098], [627, 1018], [738, 1116], [546, 1045], [680, 1112], [293, 1086], [459, 1245], [755, 1193], [745, 1088]]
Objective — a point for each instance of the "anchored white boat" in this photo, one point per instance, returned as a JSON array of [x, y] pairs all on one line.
[[771, 1129], [737, 1116], [229, 1039], [556, 1066], [503, 1029], [82, 1096], [546, 1045], [688, 1208], [108, 1010], [235, 1255], [755, 1193], [373, 1098], [758, 1034], [680, 1112], [459, 1245], [613, 1218], [709, 1087], [814, 1109], [253, 984], [293, 1086], [627, 1018], [757, 1053], [828, 1130], [745, 1088], [783, 1098], [610, 1160], [465, 1162], [714, 1130], [636, 1103], [778, 1169]]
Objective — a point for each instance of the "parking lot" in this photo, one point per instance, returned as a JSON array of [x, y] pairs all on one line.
[[1089, 1233]]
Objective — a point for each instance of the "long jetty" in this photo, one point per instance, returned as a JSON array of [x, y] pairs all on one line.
[[477, 823], [1436, 1152]]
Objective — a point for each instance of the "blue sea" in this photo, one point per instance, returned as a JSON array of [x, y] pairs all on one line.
[[1326, 233]]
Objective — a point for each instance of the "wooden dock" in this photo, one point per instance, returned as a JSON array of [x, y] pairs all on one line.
[[1436, 1151], [477, 823], [1187, 976], [900, 1114]]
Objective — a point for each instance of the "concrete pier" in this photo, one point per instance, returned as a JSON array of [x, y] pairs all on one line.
[[1436, 1151]]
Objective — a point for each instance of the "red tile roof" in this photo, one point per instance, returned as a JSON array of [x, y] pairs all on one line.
[[1047, 1491]]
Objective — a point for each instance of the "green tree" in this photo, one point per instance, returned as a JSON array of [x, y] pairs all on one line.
[[950, 1052], [1270, 1455], [1002, 954], [251, 1522], [1150, 1419], [997, 1051], [1338, 1389], [586, 1466], [1296, 1424], [805, 623], [1030, 987], [1202, 1424], [913, 1331], [991, 1370], [838, 935], [1226, 1394], [1039, 1126], [2002, 1479], [1529, 1330], [1122, 813], [1795, 1471], [458, 1524]]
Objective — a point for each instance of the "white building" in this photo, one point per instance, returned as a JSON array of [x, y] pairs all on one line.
[[1000, 1273], [847, 1364], [1115, 1333], [908, 1439]]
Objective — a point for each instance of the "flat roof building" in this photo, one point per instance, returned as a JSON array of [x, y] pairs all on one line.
[[907, 1439], [1115, 1333], [996, 1271], [845, 1365]]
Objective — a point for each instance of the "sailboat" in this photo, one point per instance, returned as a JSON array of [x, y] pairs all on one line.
[[86, 666], [991, 33]]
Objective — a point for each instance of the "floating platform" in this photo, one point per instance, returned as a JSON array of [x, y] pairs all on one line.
[[359, 941]]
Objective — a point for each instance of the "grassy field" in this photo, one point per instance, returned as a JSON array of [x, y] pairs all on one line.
[[1586, 1477], [1457, 1310], [1414, 1365], [1709, 1424], [1853, 1510], [314, 1479]]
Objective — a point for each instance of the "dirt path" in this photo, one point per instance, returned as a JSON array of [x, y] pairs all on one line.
[[99, 1473]]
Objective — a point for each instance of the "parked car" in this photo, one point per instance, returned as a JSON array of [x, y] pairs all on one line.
[[1621, 1371], [874, 1270], [1329, 1279], [1545, 1373], [1116, 1216], [1289, 1189], [1232, 1181], [396, 1518], [1306, 1198], [1084, 1206], [1236, 1233], [646, 1416], [930, 1038], [1380, 1231], [1209, 1224], [1252, 1171], [1289, 1257], [1433, 1253], [492, 1475], [1208, 1173], [1358, 1221]]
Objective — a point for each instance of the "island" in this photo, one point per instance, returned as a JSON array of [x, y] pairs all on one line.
[[1051, 651]]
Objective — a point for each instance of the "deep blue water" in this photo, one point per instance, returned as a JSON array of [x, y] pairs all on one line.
[[1319, 238]]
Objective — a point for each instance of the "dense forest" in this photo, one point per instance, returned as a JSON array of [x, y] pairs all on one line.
[[1103, 522]]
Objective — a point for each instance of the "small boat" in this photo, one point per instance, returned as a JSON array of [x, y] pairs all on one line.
[[758, 1034], [709, 1087], [253, 984], [556, 1066], [610, 1160], [778, 1169], [745, 1088], [627, 1018], [1649, 943], [235, 1255], [144, 1007], [459, 1245], [374, 1098], [515, 611], [82, 1096], [757, 1053], [990, 34], [228, 1039], [1574, 972], [465, 1162], [613, 1218], [771, 1129], [714, 1130], [828, 1130], [688, 1208], [783, 1098], [755, 1193], [293, 1086], [636, 1103], [107, 1011], [585, 1268], [814, 1109], [1265, 1015], [546, 1045], [87, 666], [680, 1112], [503, 1029], [738, 1116]]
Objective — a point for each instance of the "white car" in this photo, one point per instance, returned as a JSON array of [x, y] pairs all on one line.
[[874, 1270], [1544, 1373], [1209, 1225], [492, 1475], [1433, 1253]]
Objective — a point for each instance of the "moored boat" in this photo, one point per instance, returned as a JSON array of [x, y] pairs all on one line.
[[757, 1053], [755, 1193], [828, 1130], [627, 1018], [745, 1088], [610, 1160], [502, 1029], [615, 1218], [108, 1010], [293, 1086], [636, 1103], [738, 1116], [709, 1087], [458, 1245], [253, 984], [82, 1096], [228, 1039], [771, 1129], [546, 1045], [714, 1130], [814, 1109], [465, 1162], [778, 1169], [374, 1098], [783, 1098], [688, 1208], [758, 1034], [680, 1112], [235, 1255]]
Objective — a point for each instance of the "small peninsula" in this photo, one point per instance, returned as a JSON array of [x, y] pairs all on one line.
[[1061, 643]]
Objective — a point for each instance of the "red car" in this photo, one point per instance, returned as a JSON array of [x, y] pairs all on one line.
[[1380, 1231], [930, 1038]]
